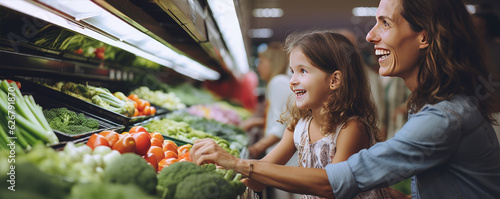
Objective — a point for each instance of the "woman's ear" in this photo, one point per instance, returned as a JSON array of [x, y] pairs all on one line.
[[335, 80], [424, 40]]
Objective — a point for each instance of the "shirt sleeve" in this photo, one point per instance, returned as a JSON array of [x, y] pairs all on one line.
[[426, 140], [278, 92]]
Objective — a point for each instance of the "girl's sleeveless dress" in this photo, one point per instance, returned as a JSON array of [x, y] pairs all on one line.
[[321, 152]]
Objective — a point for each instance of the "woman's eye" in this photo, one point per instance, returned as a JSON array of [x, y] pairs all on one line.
[[385, 23]]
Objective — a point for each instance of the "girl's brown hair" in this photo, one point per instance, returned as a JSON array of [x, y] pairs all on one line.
[[330, 52], [454, 61]]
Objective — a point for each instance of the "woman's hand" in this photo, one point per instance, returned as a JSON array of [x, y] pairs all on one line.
[[254, 185], [208, 151]]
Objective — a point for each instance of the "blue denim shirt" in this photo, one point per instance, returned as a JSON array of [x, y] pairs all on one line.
[[449, 148]]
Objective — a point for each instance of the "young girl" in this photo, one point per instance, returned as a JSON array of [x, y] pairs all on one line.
[[331, 115]]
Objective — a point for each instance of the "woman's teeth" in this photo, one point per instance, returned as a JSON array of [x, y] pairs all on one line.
[[383, 53]]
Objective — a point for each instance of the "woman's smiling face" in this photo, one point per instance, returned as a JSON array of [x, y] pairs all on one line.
[[309, 83], [396, 44]]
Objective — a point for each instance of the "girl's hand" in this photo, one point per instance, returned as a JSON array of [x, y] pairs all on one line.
[[208, 151]]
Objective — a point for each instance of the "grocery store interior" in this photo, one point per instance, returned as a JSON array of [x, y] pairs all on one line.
[[91, 88]]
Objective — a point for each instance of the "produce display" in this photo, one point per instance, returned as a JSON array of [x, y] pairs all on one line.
[[236, 136], [142, 107], [69, 122], [191, 95], [183, 131], [22, 118], [221, 111], [99, 96], [166, 100]]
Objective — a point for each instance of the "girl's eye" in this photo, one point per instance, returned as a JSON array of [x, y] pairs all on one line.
[[291, 71], [303, 71]]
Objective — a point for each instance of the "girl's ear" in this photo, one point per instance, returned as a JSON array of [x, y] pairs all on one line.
[[424, 40], [335, 80]]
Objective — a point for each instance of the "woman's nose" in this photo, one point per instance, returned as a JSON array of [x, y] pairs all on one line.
[[373, 36]]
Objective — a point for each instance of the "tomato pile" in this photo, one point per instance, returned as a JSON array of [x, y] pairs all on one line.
[[142, 107], [159, 153]]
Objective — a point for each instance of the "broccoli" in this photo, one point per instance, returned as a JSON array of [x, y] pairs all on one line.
[[69, 122], [107, 191], [206, 185], [170, 176], [131, 168]]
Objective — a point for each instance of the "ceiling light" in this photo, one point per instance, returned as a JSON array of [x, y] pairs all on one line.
[[224, 13], [260, 33], [471, 8], [268, 12], [364, 11]]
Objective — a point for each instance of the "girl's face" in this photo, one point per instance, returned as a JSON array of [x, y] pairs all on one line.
[[396, 44], [310, 84], [264, 68]]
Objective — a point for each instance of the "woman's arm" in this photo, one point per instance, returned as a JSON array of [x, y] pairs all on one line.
[[293, 179]]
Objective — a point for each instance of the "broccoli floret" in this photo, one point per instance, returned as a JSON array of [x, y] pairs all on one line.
[[69, 122], [209, 167], [206, 185], [170, 176], [130, 168]]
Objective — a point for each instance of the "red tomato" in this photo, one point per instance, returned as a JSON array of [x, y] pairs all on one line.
[[141, 104], [142, 143], [137, 129], [171, 154], [151, 159], [133, 97], [126, 144], [169, 145], [183, 149], [146, 110], [166, 162], [152, 110], [97, 140], [111, 136], [17, 83], [157, 151], [185, 156], [156, 142], [157, 136]]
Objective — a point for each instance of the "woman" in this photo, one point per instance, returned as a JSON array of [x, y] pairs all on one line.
[[448, 145]]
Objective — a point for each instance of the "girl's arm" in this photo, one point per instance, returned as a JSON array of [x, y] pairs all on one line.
[[351, 139]]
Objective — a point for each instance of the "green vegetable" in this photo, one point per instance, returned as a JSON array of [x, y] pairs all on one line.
[[131, 168], [187, 180], [170, 176], [107, 191], [31, 182], [25, 118], [206, 185], [69, 122], [99, 96]]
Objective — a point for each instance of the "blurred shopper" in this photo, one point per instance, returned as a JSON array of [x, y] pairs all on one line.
[[448, 144], [272, 68]]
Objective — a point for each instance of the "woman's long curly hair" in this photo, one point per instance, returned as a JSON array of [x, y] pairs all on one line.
[[330, 52], [454, 61]]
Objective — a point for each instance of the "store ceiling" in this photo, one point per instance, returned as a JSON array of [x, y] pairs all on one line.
[[323, 14]]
